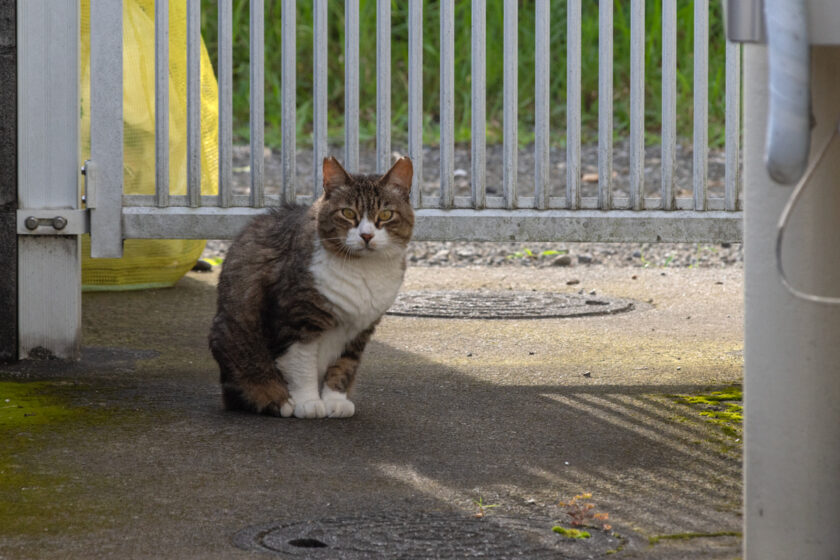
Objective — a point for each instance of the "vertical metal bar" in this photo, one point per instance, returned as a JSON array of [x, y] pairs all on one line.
[[319, 126], [106, 129], [49, 298], [194, 102], [669, 102], [701, 103], [605, 107], [637, 104], [733, 125], [542, 188], [447, 103], [415, 96], [383, 85], [162, 103], [225, 57], [257, 84], [478, 187], [288, 124], [573, 104], [9, 285], [510, 117], [351, 85]]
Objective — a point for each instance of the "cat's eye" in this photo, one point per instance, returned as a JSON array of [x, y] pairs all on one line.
[[349, 213], [386, 215]]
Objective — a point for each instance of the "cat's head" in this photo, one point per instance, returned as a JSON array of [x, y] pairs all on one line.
[[366, 215]]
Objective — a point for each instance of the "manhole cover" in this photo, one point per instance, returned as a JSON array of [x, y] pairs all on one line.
[[415, 535], [505, 305]]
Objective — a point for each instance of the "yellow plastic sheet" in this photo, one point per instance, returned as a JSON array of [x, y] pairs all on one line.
[[151, 263]]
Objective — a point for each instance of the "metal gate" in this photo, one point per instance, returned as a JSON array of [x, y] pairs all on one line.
[[444, 216], [51, 216]]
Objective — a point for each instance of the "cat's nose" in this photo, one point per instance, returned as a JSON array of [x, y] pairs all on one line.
[[366, 236]]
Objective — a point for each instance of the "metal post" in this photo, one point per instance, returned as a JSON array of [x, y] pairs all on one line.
[[447, 104], [8, 183], [415, 96], [105, 172], [792, 355], [49, 297]]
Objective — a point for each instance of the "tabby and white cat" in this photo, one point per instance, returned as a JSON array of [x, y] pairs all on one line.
[[302, 290]]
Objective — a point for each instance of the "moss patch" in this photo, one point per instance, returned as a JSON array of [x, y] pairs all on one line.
[[39, 494], [571, 533], [688, 536], [721, 408], [29, 404]]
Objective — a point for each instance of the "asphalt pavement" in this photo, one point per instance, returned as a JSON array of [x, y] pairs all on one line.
[[468, 438]]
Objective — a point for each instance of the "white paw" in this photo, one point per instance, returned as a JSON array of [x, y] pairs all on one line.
[[311, 409], [287, 408], [340, 407]]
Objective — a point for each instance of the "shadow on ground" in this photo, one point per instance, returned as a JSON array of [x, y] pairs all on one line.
[[132, 455]]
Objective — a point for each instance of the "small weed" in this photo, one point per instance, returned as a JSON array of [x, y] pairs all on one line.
[[583, 513], [481, 507], [526, 253], [571, 533], [523, 254]]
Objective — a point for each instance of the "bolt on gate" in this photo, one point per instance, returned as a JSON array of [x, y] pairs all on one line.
[[520, 212]]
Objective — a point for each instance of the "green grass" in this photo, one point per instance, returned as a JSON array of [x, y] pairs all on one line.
[[571, 533], [431, 75]]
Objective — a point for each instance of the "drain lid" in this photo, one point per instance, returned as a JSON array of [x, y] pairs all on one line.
[[417, 535], [504, 305]]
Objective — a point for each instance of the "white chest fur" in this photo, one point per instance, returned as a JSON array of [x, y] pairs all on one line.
[[359, 289]]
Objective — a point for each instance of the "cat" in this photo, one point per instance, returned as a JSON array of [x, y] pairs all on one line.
[[302, 290]]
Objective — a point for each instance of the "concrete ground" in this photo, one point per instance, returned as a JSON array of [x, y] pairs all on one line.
[[129, 454]]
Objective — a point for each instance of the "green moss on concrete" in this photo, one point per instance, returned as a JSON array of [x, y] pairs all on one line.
[[721, 408], [39, 495], [36, 403], [689, 536], [571, 533]]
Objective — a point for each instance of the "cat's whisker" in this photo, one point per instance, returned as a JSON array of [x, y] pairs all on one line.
[[347, 251]]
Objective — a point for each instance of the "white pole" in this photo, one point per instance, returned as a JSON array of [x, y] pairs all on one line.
[[792, 347], [49, 296]]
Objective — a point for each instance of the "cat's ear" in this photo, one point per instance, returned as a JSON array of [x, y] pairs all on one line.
[[334, 175], [399, 176]]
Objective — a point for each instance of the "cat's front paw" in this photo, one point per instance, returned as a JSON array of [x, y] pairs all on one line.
[[313, 408], [339, 407], [287, 408], [283, 410]]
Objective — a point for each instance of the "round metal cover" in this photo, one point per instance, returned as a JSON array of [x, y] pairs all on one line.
[[504, 305], [417, 535]]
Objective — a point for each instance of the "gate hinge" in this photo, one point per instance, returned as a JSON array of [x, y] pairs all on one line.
[[60, 221]]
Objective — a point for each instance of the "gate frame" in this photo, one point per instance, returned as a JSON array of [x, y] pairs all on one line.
[[8, 183], [49, 258], [50, 286]]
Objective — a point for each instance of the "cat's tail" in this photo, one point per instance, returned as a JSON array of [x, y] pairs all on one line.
[[233, 399], [250, 380], [265, 397]]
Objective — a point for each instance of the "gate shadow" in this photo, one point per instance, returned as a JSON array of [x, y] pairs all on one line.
[[425, 436]]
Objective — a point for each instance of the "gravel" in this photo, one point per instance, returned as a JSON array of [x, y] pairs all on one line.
[[537, 255]]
